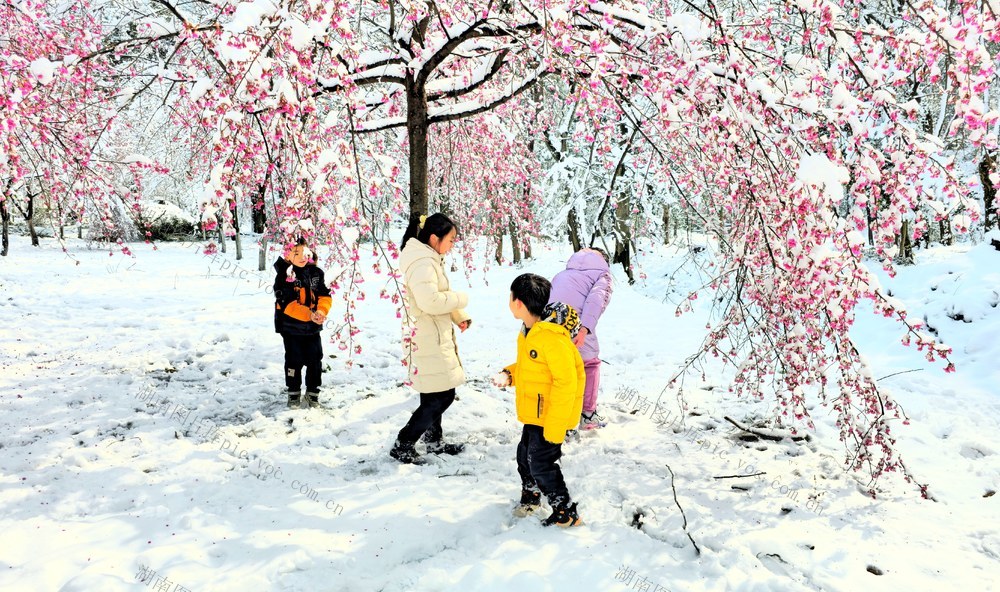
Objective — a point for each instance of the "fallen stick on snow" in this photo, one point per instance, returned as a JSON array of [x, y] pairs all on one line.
[[769, 434], [739, 476], [696, 548]]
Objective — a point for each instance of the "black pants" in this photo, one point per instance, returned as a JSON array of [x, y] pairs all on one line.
[[426, 420], [537, 464], [303, 350]]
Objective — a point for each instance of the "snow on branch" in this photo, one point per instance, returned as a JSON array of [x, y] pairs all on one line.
[[795, 142]]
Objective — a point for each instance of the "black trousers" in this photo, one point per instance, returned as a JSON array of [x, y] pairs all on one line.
[[426, 420], [537, 464], [303, 350]]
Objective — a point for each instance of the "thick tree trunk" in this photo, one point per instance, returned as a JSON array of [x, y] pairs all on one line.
[[416, 131], [944, 230], [33, 233], [515, 246], [986, 166], [259, 216], [574, 230], [905, 244], [623, 255], [498, 255], [623, 236]]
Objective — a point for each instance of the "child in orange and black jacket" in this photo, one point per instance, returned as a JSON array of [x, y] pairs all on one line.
[[548, 380], [302, 302]]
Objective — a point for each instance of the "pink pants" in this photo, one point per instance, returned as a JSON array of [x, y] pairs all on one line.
[[592, 369]]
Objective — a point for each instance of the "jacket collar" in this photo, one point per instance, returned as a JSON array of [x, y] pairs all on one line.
[[414, 251], [544, 326]]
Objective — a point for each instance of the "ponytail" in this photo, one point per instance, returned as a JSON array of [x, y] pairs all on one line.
[[438, 225]]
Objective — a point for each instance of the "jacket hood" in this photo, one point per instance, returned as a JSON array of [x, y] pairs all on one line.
[[587, 259], [563, 315]]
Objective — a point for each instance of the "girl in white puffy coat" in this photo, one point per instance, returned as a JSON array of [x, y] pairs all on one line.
[[434, 311]]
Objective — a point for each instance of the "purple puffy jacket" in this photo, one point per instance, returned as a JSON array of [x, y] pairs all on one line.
[[585, 285]]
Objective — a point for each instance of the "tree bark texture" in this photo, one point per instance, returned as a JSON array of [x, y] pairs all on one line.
[[416, 131], [990, 216], [573, 226]]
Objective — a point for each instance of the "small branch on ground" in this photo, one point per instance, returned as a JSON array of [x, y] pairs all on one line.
[[770, 434], [739, 476], [674, 489]]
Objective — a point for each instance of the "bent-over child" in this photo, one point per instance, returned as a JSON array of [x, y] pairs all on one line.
[[585, 285]]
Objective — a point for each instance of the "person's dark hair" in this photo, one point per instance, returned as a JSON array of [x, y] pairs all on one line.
[[301, 242], [603, 254], [533, 290], [437, 224]]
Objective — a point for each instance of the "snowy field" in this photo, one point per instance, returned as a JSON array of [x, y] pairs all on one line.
[[144, 444]]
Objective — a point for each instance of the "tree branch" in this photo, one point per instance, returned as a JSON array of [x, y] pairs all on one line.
[[684, 516], [773, 436], [498, 63], [488, 106]]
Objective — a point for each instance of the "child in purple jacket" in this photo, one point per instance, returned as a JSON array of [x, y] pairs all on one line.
[[585, 285]]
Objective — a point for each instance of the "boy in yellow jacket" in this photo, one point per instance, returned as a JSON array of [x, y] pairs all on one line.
[[548, 379]]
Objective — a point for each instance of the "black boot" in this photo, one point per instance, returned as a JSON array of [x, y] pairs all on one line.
[[312, 399], [444, 448], [294, 399], [406, 454], [563, 515], [531, 500]]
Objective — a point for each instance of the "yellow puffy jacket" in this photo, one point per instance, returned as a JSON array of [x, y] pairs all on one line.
[[548, 380]]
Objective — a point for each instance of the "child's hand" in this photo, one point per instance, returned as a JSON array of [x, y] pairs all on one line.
[[501, 379], [317, 317], [464, 325]]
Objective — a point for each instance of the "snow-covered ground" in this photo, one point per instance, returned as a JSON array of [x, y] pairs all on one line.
[[143, 437]]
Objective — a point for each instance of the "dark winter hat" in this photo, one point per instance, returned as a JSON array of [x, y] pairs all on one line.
[[562, 314]]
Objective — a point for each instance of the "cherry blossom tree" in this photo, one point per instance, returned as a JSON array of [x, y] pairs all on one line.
[[59, 147], [795, 103], [787, 129]]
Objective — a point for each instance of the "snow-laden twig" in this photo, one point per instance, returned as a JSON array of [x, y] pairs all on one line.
[[769, 434]]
